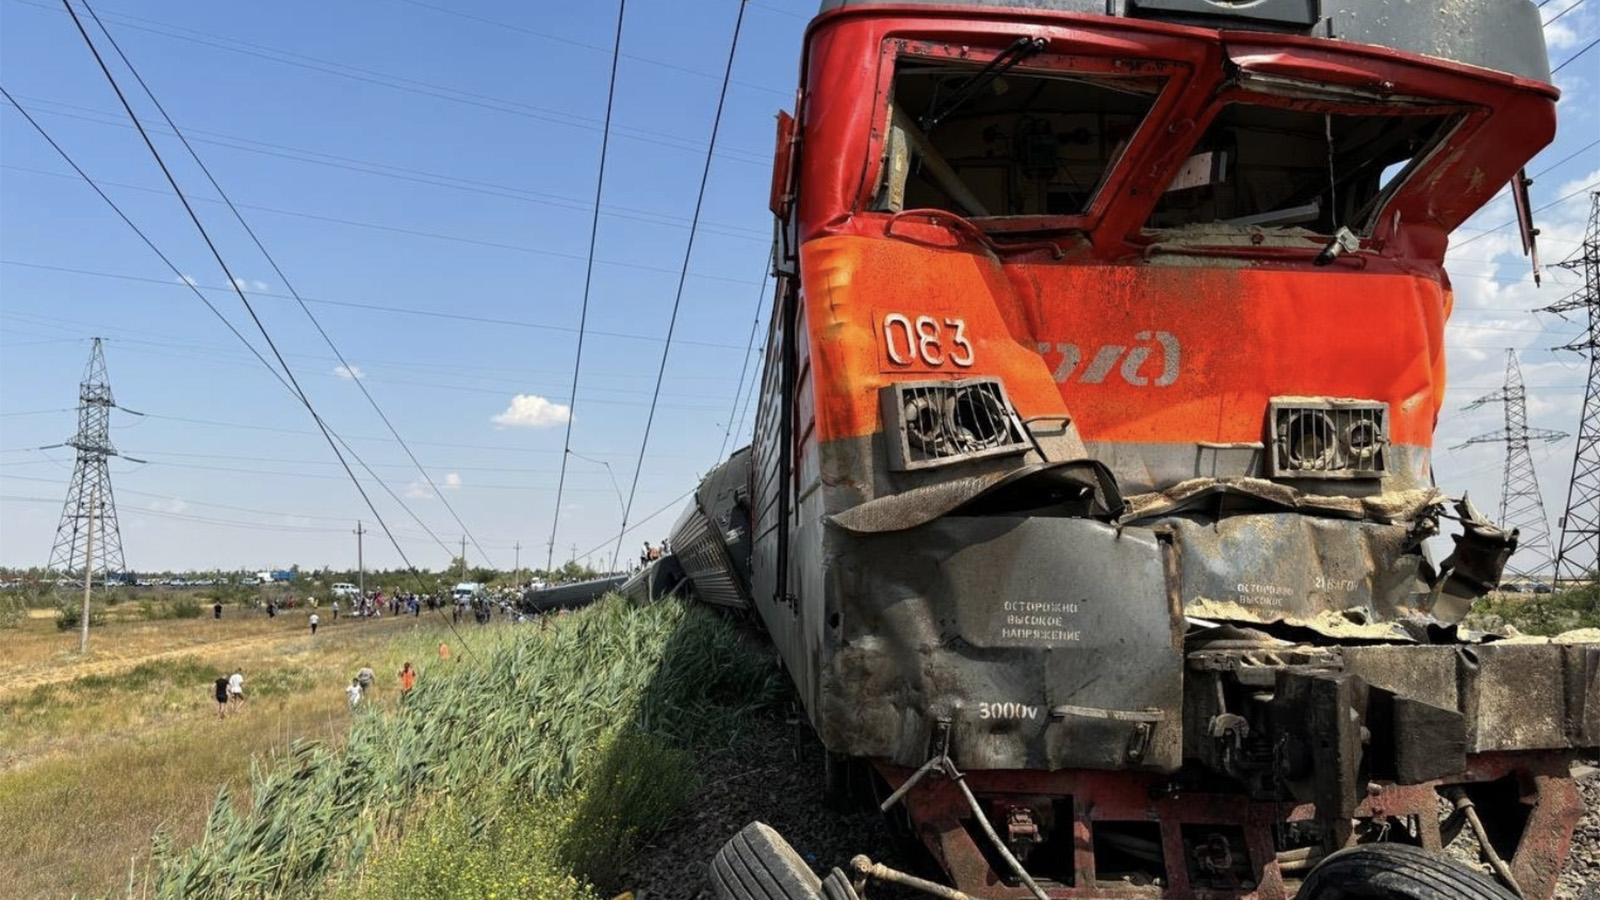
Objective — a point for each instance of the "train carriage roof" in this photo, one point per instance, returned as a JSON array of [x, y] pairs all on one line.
[[1502, 35]]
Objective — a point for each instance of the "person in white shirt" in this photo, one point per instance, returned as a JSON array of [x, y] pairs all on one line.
[[354, 693], [236, 690], [314, 621]]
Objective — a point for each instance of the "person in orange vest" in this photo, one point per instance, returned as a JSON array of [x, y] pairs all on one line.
[[408, 680]]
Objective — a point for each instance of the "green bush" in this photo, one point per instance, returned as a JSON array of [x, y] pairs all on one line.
[[13, 609], [1541, 614], [69, 615], [187, 608], [586, 731]]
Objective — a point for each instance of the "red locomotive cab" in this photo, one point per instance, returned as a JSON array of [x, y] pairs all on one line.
[[1094, 449]]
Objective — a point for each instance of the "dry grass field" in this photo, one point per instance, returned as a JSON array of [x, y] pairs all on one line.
[[99, 752]]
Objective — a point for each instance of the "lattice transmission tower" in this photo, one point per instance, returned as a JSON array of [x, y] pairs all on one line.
[[1579, 550], [90, 505], [1521, 504]]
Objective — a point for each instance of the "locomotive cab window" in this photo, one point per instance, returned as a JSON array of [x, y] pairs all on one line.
[[1027, 142], [1268, 167]]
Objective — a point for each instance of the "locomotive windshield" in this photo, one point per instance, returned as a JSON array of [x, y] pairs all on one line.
[[1268, 166], [1026, 143]]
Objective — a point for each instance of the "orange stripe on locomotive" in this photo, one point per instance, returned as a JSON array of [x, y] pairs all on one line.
[[1165, 353]]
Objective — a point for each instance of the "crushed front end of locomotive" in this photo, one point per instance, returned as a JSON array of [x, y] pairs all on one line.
[[1091, 492]]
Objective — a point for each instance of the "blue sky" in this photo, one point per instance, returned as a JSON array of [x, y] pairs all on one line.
[[400, 155]]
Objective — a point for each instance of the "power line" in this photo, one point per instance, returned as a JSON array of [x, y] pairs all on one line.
[[588, 280], [750, 344], [185, 281], [428, 89], [1556, 202], [228, 273], [672, 322], [371, 307], [282, 276], [510, 26], [1586, 48], [1551, 21]]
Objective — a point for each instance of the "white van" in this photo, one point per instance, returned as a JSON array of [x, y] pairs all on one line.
[[345, 589], [466, 590]]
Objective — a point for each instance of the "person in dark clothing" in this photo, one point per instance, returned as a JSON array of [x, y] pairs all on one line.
[[272, 610], [222, 697], [216, 610]]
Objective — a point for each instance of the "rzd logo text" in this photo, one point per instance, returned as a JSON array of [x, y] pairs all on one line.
[[1133, 364]]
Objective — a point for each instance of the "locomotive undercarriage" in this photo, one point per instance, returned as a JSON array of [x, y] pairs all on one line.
[[1189, 706]]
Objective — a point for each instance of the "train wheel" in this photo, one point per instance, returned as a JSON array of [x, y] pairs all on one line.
[[1396, 872], [758, 864]]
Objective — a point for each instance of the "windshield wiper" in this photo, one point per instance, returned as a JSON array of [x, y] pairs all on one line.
[[1008, 59]]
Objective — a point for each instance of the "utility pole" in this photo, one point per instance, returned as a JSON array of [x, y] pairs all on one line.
[[1576, 555], [516, 571], [88, 580], [1521, 504], [463, 558], [361, 563]]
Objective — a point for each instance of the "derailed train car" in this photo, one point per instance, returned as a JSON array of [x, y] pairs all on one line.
[[1091, 482]]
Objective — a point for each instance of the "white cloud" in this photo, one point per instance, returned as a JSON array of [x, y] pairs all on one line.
[[169, 505], [418, 489], [532, 411], [190, 280], [349, 372]]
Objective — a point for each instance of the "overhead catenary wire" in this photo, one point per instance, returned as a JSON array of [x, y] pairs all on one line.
[[1556, 202], [588, 283], [1586, 48], [677, 301], [182, 280], [1551, 21], [372, 307], [428, 89], [283, 277], [738, 389], [266, 336]]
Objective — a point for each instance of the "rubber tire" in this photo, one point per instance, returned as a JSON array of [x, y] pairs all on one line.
[[1396, 872], [758, 864]]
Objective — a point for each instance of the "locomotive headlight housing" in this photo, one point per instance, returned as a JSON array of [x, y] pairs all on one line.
[[932, 423], [1316, 437]]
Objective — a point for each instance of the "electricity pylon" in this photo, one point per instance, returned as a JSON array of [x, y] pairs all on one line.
[[90, 505], [1521, 505], [1579, 551]]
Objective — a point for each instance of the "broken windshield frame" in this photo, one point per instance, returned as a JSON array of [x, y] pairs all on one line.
[[1030, 151], [1267, 162]]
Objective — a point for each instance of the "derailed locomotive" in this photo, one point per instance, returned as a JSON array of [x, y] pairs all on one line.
[[1090, 489]]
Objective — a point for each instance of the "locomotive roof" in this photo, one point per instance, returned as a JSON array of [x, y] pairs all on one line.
[[1503, 35]]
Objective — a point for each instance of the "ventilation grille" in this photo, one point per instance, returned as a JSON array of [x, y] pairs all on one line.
[[1328, 438], [938, 422]]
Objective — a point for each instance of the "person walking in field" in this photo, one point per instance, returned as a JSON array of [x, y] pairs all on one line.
[[336, 610], [236, 690], [221, 693], [408, 680], [353, 692], [364, 678], [314, 621], [216, 610]]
